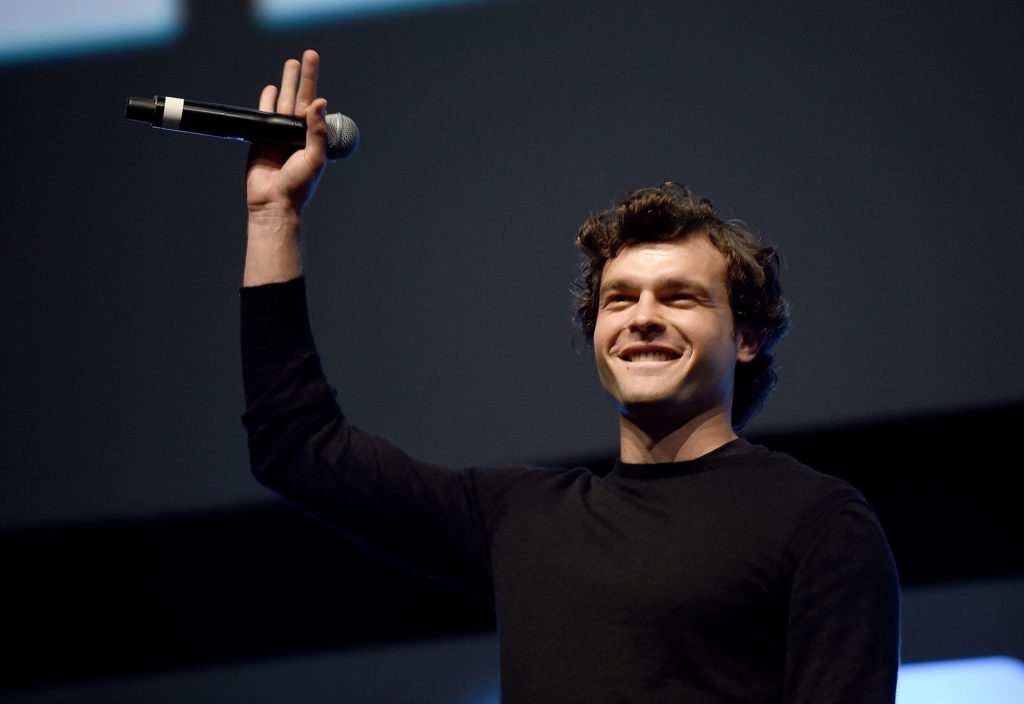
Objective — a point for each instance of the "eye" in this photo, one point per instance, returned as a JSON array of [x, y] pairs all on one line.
[[613, 300]]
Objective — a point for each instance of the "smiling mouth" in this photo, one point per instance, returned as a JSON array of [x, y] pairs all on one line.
[[649, 356]]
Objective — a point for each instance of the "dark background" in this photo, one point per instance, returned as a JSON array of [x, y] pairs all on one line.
[[879, 147]]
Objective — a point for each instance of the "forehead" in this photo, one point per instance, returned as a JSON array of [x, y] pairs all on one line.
[[693, 259]]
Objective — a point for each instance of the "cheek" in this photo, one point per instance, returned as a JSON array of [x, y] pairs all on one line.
[[604, 339], [604, 329]]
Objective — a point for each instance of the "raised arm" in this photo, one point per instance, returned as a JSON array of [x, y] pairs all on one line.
[[280, 182]]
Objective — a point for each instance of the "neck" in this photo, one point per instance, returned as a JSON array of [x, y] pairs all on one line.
[[648, 442]]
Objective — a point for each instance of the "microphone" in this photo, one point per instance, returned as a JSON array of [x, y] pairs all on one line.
[[241, 124]]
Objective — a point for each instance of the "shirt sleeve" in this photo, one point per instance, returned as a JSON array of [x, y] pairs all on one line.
[[843, 637], [302, 446]]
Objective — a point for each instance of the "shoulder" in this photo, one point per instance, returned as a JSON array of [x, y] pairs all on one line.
[[527, 478], [828, 527], [804, 503], [527, 488], [782, 475]]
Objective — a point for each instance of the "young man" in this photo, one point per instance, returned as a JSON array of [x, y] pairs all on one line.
[[701, 569]]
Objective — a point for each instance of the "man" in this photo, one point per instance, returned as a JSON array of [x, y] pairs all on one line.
[[701, 569]]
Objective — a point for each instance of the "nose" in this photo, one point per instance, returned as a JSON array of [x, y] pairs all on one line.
[[646, 314]]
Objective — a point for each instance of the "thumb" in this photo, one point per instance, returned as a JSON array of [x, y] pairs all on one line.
[[316, 135]]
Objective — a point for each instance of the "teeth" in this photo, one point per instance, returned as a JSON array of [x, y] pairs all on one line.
[[649, 357]]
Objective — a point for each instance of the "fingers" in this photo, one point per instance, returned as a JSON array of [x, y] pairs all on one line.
[[268, 99], [289, 83], [306, 91], [298, 86], [297, 96]]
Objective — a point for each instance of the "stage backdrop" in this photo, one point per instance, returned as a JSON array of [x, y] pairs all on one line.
[[878, 146]]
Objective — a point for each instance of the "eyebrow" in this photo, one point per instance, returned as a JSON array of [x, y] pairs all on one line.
[[625, 283]]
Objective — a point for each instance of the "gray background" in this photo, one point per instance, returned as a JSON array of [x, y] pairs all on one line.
[[878, 146]]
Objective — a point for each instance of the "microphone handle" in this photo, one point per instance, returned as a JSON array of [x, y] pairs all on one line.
[[217, 120]]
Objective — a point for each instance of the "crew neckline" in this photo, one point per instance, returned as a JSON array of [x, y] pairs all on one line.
[[703, 463]]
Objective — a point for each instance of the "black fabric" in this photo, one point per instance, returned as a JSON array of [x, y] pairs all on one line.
[[741, 576]]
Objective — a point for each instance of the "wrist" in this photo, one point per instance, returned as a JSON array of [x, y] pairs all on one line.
[[271, 219], [273, 250]]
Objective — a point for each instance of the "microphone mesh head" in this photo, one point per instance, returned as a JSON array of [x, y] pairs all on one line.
[[342, 136]]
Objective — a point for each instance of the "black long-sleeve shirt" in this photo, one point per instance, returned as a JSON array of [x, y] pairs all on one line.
[[742, 576]]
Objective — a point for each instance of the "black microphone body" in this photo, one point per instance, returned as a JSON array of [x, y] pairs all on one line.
[[241, 124]]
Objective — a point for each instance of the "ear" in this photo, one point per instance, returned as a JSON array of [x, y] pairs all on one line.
[[748, 343]]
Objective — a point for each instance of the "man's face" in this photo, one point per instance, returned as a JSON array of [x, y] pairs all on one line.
[[664, 339]]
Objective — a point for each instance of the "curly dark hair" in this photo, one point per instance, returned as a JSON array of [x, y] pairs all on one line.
[[671, 212]]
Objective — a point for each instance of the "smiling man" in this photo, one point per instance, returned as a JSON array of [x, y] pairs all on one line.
[[675, 301], [701, 569], [666, 349]]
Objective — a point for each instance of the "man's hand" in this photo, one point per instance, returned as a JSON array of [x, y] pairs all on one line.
[[279, 182]]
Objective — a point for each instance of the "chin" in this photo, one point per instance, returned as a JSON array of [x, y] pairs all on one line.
[[665, 410], [650, 409]]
